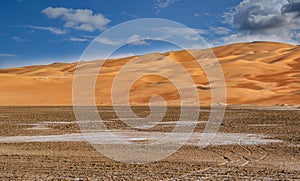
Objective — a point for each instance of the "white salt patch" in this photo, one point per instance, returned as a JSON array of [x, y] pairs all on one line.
[[45, 125], [185, 123], [128, 119], [279, 108], [96, 121], [38, 127], [106, 111], [113, 110], [165, 123], [4, 116], [57, 122], [264, 125], [42, 125], [126, 137]]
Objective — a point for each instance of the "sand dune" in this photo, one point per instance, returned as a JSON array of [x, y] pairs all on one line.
[[263, 73]]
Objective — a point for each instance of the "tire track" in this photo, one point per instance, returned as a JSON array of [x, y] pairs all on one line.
[[263, 151], [223, 157], [245, 161], [249, 153], [228, 160]]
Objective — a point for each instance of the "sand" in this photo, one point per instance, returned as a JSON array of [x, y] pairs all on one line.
[[263, 73]]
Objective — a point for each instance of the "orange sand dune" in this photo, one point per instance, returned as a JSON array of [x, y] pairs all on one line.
[[263, 73]]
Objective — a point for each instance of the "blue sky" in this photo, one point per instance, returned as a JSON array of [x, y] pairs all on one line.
[[47, 31]]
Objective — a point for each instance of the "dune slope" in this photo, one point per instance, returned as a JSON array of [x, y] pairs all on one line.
[[263, 73]]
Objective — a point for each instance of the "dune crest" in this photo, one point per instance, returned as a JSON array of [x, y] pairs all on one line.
[[263, 73]]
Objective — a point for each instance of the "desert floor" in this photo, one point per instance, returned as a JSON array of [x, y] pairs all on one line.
[[253, 144]]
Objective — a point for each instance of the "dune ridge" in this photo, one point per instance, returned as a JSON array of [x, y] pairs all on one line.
[[263, 73]]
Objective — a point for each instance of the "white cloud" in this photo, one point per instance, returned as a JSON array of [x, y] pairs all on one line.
[[78, 39], [188, 33], [220, 30], [240, 37], [162, 4], [298, 36], [173, 30], [88, 36], [196, 46], [17, 39], [7, 55], [197, 15], [133, 40], [51, 29], [136, 40], [256, 20], [107, 41], [79, 19], [130, 14]]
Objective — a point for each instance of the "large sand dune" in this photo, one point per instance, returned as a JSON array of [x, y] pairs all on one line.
[[256, 73]]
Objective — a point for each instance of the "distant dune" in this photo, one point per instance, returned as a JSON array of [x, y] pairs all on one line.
[[263, 73]]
